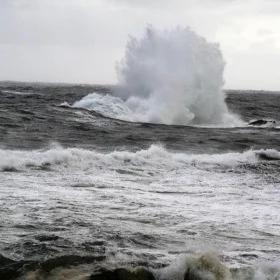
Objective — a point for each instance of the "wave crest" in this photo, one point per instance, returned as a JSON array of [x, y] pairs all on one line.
[[154, 157]]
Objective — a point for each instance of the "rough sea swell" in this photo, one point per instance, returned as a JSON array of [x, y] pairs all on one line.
[[86, 195], [75, 207]]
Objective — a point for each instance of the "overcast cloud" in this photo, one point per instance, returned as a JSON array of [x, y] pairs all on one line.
[[81, 40]]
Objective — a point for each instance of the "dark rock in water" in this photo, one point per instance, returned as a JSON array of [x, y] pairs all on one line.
[[43, 238], [123, 274], [262, 122], [9, 269], [267, 156], [9, 169], [258, 122], [5, 261]]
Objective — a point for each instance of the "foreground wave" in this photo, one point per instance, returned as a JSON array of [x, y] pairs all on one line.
[[85, 214], [155, 157]]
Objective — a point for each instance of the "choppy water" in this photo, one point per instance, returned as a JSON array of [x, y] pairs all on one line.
[[96, 191]]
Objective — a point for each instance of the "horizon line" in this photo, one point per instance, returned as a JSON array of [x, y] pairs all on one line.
[[115, 85]]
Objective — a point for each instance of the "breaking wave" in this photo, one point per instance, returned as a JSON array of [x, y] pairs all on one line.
[[168, 77], [155, 157]]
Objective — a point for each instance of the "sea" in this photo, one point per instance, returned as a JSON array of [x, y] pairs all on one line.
[[82, 191]]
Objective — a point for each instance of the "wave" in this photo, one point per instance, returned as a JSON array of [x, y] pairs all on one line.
[[168, 77], [155, 157], [18, 92], [108, 106]]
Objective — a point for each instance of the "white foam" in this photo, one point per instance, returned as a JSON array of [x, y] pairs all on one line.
[[190, 203], [204, 267], [268, 271], [65, 104], [107, 105], [208, 266]]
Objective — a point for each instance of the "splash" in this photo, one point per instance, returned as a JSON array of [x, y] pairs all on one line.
[[170, 77], [173, 77]]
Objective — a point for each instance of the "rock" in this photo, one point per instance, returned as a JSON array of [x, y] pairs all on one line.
[[262, 122], [123, 274], [5, 261], [43, 238], [267, 156], [9, 269]]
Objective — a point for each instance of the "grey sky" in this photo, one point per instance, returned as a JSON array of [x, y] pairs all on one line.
[[81, 40]]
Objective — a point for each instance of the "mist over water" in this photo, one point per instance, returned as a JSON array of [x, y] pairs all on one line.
[[170, 77]]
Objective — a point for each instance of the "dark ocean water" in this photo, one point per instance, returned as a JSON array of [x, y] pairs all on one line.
[[79, 190]]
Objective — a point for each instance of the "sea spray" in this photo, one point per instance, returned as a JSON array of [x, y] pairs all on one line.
[[173, 77], [170, 77]]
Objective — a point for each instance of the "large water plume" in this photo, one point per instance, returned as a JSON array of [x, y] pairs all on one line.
[[171, 77]]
